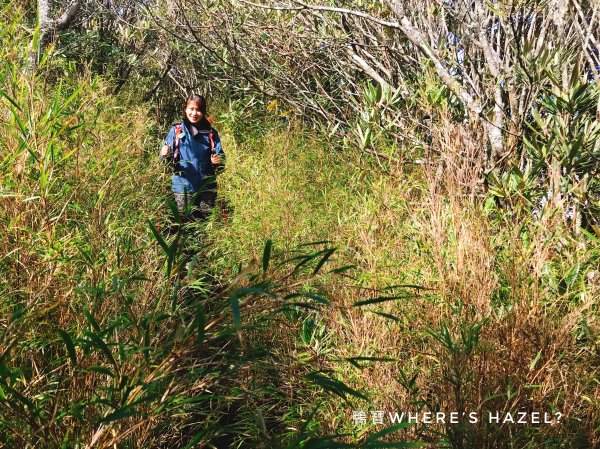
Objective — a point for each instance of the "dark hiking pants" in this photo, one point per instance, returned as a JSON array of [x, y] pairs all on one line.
[[196, 205]]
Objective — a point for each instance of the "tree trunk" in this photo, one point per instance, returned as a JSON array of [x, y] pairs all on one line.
[[47, 26], [44, 23]]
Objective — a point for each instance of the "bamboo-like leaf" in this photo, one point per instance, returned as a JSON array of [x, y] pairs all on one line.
[[308, 330], [196, 438], [312, 296], [378, 92], [342, 269], [100, 370], [9, 99], [259, 289], [334, 386], [413, 286], [388, 316], [174, 210], [355, 360], [71, 97], [305, 258], [315, 243], [305, 305], [535, 361], [266, 255], [70, 346], [380, 299], [119, 414], [92, 320], [32, 408], [159, 238], [326, 256], [100, 344]]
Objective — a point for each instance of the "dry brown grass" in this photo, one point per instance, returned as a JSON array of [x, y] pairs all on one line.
[[478, 268]]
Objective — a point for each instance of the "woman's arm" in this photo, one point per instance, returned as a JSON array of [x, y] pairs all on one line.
[[218, 157], [166, 150]]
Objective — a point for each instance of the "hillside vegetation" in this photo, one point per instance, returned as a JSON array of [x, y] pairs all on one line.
[[454, 304], [106, 338], [371, 251]]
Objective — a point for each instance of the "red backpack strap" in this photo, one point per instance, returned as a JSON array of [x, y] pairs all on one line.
[[212, 142], [177, 134]]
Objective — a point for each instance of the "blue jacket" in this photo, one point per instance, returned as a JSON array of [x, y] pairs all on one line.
[[193, 170]]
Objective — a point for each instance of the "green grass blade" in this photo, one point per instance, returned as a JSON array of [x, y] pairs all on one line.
[[267, 255], [70, 346]]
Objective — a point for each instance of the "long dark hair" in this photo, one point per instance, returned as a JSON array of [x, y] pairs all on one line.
[[201, 103]]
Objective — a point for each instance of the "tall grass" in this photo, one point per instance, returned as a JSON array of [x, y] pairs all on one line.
[[116, 333], [492, 310], [82, 294], [107, 340], [118, 328]]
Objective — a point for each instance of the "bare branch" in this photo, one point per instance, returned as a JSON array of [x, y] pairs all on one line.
[[65, 19], [303, 6], [416, 38], [365, 67]]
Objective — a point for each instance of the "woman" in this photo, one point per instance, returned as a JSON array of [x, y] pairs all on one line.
[[194, 148]]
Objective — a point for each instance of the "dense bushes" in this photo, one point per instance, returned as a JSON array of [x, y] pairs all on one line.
[[102, 341]]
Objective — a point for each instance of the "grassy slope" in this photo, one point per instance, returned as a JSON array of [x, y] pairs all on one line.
[[98, 344], [506, 321], [101, 342]]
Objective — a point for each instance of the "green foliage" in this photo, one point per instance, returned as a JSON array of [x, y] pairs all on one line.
[[561, 153], [97, 348], [436, 328], [123, 325], [563, 143]]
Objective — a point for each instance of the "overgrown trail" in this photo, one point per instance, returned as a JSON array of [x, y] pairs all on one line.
[[108, 339], [425, 244]]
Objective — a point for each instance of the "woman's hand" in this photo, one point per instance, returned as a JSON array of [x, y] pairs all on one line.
[[165, 151], [216, 159]]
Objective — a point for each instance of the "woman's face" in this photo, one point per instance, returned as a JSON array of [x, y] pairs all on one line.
[[192, 112]]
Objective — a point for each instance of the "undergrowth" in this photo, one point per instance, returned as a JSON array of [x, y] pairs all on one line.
[[118, 328], [327, 284], [454, 304]]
